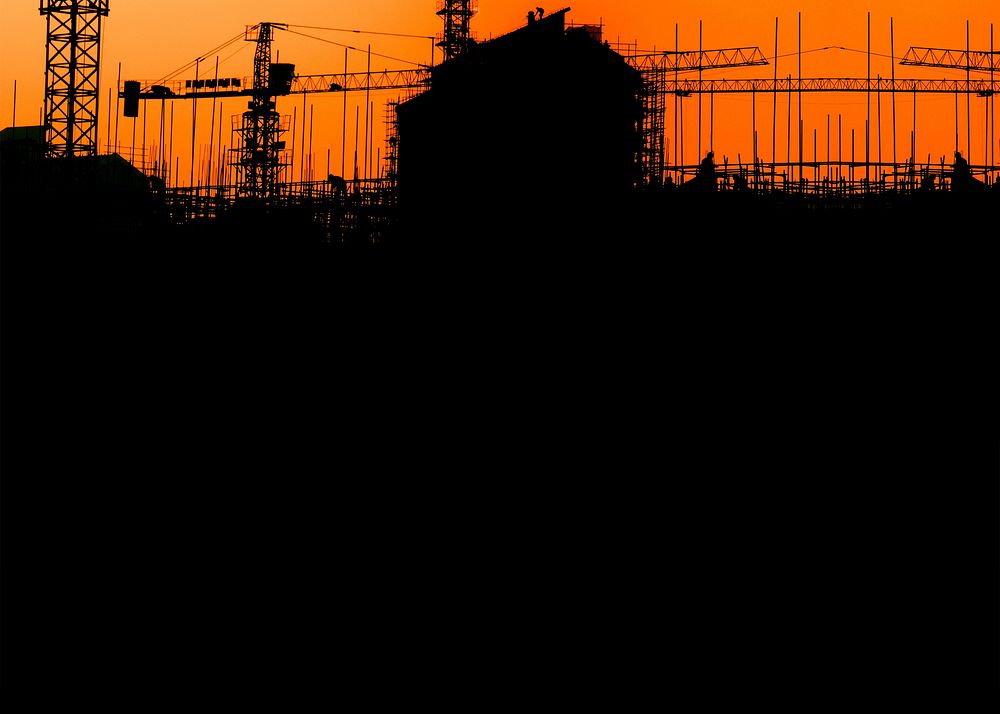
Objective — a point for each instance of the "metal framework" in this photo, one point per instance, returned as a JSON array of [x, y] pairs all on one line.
[[304, 84], [698, 60], [843, 84], [457, 17], [952, 59], [259, 156], [655, 69], [72, 75]]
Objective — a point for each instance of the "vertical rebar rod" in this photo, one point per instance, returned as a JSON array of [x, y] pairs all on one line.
[[711, 119], [118, 99], [211, 128], [878, 103], [170, 157], [371, 146], [913, 142], [312, 160], [800, 95], [774, 105], [753, 122], [13, 120], [194, 118], [295, 126], [161, 151], [868, 101], [357, 130], [828, 166], [109, 118], [144, 167], [892, 64], [788, 148], [840, 146], [368, 84], [993, 105], [343, 138], [957, 130], [852, 158], [221, 104], [302, 159], [677, 49], [968, 95], [700, 63], [816, 155]]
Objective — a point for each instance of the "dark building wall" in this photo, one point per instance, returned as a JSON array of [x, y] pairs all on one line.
[[537, 131]]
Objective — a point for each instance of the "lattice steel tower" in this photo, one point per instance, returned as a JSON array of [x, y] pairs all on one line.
[[457, 16], [72, 75], [259, 158]]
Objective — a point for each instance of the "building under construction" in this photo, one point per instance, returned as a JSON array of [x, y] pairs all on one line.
[[547, 133]]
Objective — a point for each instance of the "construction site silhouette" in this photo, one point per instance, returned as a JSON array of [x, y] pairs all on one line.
[[546, 140]]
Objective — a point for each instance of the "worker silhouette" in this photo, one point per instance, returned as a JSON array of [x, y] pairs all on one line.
[[706, 172], [961, 175], [531, 17]]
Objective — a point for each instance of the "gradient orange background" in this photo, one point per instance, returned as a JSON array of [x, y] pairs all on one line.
[[151, 39]]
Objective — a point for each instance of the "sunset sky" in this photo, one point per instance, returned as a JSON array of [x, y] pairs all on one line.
[[152, 39]]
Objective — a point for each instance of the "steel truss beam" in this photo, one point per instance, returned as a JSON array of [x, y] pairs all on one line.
[[951, 59]]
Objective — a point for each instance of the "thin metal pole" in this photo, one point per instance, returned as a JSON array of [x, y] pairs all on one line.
[[144, 167], [788, 150], [699, 86], [968, 95], [170, 158], [914, 140], [118, 99], [368, 84], [840, 146], [878, 101], [956, 122], [194, 118], [312, 115], [774, 105], [892, 53], [160, 172], [828, 167], [109, 118], [343, 139], [357, 130], [852, 157], [711, 120], [753, 123], [302, 159], [295, 124], [993, 105], [220, 133], [211, 132], [677, 99], [371, 146], [13, 120], [816, 154], [800, 95], [868, 102]]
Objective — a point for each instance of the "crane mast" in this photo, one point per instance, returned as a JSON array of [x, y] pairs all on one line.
[[72, 75], [259, 157]]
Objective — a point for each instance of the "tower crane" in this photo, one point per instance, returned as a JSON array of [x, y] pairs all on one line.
[[259, 158]]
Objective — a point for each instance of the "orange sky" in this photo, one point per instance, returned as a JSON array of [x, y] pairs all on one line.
[[153, 39]]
